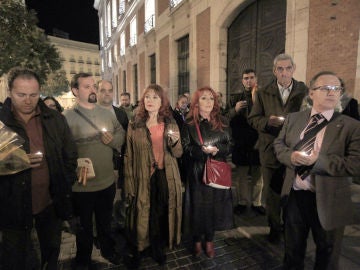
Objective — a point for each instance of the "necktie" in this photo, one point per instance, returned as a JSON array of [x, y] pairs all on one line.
[[285, 94], [308, 146]]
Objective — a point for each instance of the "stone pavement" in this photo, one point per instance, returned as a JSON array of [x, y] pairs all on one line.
[[244, 247]]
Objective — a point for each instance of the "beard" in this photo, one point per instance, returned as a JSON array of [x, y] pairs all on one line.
[[92, 98]]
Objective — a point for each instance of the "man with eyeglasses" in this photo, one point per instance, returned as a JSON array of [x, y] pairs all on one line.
[[244, 156], [321, 150], [272, 103]]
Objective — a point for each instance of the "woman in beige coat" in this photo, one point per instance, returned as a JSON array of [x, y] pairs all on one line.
[[152, 179]]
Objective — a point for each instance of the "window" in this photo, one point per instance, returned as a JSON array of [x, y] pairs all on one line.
[[109, 59], [124, 80], [81, 60], [149, 15], [183, 65], [115, 52], [133, 32], [113, 14], [135, 82], [72, 58], [108, 20], [88, 61], [102, 38], [122, 44], [121, 7], [174, 3], [152, 68]]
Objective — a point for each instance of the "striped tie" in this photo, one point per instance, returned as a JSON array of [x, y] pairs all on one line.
[[308, 146]]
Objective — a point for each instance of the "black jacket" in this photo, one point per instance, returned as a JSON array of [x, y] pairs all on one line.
[[61, 156], [244, 136]]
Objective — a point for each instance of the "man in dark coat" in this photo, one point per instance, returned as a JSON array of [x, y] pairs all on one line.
[[41, 194], [272, 103], [105, 97], [244, 156]]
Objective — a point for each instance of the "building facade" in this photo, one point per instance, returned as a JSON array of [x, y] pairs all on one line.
[[186, 44], [76, 57]]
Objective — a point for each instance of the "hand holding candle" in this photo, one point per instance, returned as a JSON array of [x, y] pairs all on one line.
[[173, 136], [106, 136], [276, 121], [35, 159]]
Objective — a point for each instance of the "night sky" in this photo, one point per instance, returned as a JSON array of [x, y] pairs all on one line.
[[76, 17]]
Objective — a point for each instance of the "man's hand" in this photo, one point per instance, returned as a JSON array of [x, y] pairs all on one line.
[[35, 159], [275, 121], [299, 158], [240, 105], [106, 137]]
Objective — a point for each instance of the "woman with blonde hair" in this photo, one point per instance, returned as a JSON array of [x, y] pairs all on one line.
[[152, 179]]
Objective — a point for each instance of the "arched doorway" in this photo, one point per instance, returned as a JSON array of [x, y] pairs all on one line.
[[255, 37]]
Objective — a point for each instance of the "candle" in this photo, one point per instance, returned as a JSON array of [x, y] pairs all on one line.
[[170, 132], [38, 153], [281, 118], [103, 129], [303, 153]]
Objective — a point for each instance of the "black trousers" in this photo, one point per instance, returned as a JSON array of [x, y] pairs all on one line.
[[301, 216], [18, 249], [86, 204]]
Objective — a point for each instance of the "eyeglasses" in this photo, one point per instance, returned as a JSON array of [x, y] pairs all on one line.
[[329, 88]]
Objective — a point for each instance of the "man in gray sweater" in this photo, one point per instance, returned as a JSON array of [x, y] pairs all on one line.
[[96, 132]]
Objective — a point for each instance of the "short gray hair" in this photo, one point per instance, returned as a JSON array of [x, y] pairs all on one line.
[[283, 56]]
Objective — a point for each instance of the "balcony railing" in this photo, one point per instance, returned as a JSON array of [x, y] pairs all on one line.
[[149, 24], [121, 7], [174, 3]]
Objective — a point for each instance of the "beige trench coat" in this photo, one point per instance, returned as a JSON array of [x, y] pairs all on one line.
[[138, 164]]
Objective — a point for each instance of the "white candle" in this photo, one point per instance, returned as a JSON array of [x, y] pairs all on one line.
[[303, 153], [103, 129], [281, 118], [170, 132]]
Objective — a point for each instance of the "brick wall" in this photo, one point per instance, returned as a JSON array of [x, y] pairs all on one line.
[[162, 6], [333, 38]]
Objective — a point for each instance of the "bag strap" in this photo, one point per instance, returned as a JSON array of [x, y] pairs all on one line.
[[199, 133], [314, 131], [87, 120]]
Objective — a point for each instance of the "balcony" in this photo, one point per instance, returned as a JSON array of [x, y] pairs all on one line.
[[174, 3], [149, 24], [132, 41]]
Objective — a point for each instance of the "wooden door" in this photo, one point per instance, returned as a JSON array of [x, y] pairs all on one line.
[[255, 37]]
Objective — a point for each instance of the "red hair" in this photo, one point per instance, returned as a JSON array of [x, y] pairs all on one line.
[[164, 110], [194, 113]]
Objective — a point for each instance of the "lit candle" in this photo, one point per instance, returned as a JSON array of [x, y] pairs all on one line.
[[103, 129], [38, 153], [281, 118], [170, 132], [303, 153]]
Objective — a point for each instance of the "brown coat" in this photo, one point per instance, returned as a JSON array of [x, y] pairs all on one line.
[[138, 163]]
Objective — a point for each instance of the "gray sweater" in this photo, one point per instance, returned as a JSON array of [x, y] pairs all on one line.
[[89, 144]]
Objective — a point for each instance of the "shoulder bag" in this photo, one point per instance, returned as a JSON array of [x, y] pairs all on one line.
[[217, 174]]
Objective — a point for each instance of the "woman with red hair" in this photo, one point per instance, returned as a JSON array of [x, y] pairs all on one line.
[[210, 208], [152, 179]]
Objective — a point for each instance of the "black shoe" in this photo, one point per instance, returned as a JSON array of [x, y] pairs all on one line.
[[240, 209], [259, 209], [274, 236], [114, 259]]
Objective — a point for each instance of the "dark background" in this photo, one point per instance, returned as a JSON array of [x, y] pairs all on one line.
[[76, 17]]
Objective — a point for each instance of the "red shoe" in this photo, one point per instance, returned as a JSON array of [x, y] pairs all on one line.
[[197, 249], [210, 252]]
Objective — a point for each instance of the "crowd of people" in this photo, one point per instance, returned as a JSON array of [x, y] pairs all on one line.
[[294, 145]]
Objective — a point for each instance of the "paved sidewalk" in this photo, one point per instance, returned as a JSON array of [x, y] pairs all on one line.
[[244, 247]]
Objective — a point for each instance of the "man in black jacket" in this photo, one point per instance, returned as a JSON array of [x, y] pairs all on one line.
[[244, 154], [40, 194], [105, 95]]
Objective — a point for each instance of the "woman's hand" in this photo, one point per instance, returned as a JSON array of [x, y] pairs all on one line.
[[173, 136], [210, 150]]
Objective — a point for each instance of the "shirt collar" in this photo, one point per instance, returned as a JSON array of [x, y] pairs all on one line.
[[327, 114], [281, 88]]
